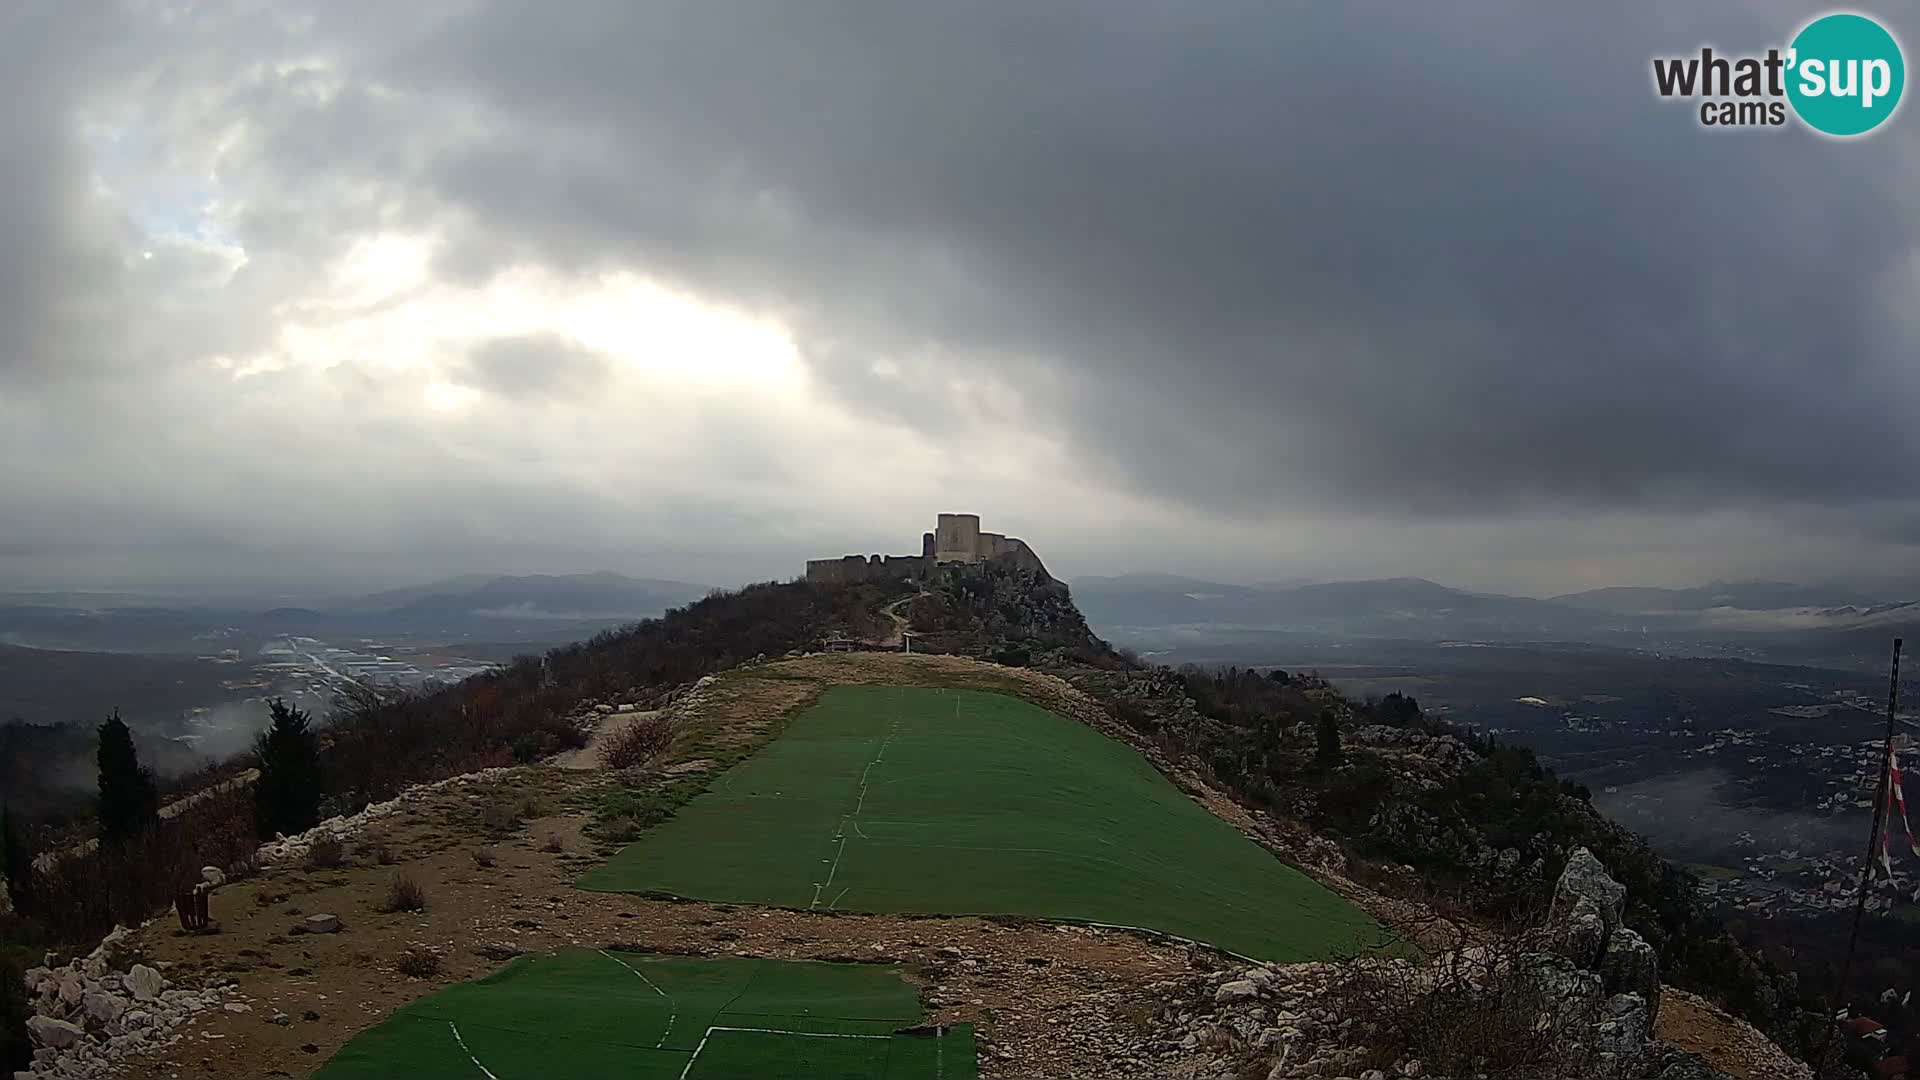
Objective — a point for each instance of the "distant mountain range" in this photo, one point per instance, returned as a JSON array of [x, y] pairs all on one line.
[[1743, 617], [535, 609], [1760, 619], [567, 597], [1395, 607], [1738, 595]]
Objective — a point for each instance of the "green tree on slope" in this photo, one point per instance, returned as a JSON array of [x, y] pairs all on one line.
[[16, 863], [129, 800], [1328, 751], [287, 797]]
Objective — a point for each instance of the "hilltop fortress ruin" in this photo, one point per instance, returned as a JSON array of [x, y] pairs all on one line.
[[956, 538]]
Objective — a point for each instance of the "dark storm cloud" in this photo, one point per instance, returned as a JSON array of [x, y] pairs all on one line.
[[1424, 259], [55, 272], [1276, 289]]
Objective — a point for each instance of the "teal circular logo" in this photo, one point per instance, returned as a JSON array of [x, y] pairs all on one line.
[[1845, 74]]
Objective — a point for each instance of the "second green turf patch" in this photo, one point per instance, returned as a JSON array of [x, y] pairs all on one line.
[[962, 802], [587, 1014]]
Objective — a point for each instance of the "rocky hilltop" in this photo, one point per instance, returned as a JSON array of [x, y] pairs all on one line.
[[1537, 938]]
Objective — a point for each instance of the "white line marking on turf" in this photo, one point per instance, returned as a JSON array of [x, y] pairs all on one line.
[[484, 1071], [837, 899], [767, 1031], [841, 850], [840, 833], [673, 1007]]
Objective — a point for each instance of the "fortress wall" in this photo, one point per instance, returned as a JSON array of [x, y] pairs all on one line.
[[1014, 550], [849, 568], [956, 539]]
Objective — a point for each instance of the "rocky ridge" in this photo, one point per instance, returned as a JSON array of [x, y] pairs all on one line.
[[1578, 997]]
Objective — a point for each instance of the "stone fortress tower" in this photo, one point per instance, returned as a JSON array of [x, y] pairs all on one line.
[[956, 538]]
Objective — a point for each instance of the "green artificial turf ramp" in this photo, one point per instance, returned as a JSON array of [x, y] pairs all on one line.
[[961, 802], [593, 1014]]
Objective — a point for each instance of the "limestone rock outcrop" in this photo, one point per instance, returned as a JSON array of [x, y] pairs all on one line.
[[1584, 988], [92, 1013]]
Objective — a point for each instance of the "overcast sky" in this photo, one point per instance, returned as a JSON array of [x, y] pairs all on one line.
[[362, 293]]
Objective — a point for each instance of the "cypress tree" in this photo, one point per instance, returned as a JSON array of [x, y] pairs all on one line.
[[16, 862], [1328, 752], [287, 797], [129, 799]]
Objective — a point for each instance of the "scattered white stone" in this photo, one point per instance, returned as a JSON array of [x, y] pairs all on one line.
[[144, 983], [213, 876], [287, 848], [102, 1006], [324, 923], [88, 1019], [1237, 990], [54, 1034]]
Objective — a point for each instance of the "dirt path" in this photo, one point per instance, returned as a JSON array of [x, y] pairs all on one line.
[[897, 635], [611, 725]]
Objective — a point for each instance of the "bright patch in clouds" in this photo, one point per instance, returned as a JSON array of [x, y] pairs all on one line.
[[381, 310]]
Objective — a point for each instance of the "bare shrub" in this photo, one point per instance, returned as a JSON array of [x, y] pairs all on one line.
[[383, 854], [639, 743], [83, 894], [553, 844], [326, 853], [418, 962], [1479, 1011], [483, 858], [499, 816], [404, 893]]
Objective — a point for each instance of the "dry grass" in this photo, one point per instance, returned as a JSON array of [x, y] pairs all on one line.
[[418, 962], [405, 893], [500, 816]]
